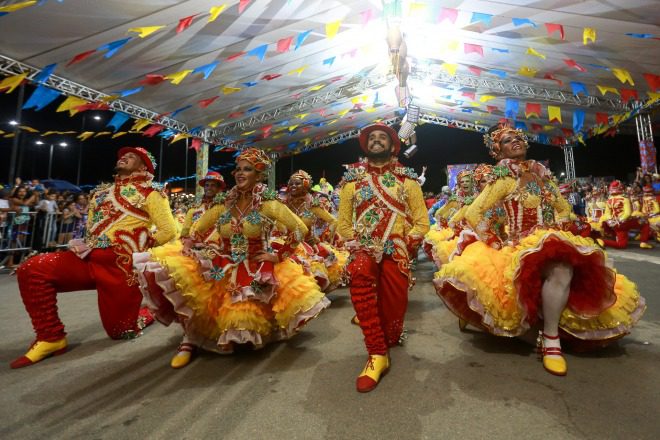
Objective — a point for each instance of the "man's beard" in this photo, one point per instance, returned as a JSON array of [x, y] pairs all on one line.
[[385, 154]]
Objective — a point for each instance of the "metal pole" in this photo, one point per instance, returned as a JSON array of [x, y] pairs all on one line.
[[50, 160], [14, 145], [80, 147], [185, 173]]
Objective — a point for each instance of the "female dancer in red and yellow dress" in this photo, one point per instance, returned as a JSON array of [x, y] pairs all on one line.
[[542, 274], [238, 290], [326, 261]]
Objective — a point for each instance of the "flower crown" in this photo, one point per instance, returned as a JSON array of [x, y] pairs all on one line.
[[304, 176], [256, 157]]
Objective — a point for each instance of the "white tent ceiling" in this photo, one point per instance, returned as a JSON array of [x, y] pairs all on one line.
[[324, 85]]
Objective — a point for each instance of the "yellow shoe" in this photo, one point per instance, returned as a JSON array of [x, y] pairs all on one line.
[[462, 324], [183, 355], [355, 320], [600, 242], [40, 350], [377, 367], [553, 361], [645, 245]]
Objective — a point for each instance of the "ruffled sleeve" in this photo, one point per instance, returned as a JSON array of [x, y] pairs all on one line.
[[187, 223], [420, 219]]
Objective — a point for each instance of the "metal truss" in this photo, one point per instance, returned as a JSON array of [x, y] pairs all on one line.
[[570, 162], [303, 104], [341, 137], [521, 89], [12, 67]]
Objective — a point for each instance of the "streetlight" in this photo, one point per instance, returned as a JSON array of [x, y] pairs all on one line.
[[13, 123], [50, 157]]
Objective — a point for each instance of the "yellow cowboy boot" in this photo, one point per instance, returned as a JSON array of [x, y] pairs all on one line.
[[553, 361], [377, 367], [645, 245], [183, 356], [40, 350]]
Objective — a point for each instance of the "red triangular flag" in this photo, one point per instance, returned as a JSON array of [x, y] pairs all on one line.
[[235, 115], [473, 48], [627, 94], [571, 63], [185, 23], [242, 5], [553, 27], [448, 13], [271, 76], [602, 118], [152, 79], [152, 130], [568, 132], [536, 127], [470, 95], [284, 44], [196, 144], [474, 69], [93, 106], [206, 102], [236, 55], [653, 81], [80, 57], [491, 108], [532, 108], [552, 77]]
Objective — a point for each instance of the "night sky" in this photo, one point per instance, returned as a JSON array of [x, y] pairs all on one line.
[[438, 147]]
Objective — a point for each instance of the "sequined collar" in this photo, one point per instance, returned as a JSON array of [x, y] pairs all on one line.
[[143, 178]]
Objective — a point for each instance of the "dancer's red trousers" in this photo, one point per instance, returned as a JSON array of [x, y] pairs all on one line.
[[621, 232], [379, 292], [41, 277]]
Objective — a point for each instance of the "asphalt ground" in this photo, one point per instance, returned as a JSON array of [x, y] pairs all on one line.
[[443, 384]]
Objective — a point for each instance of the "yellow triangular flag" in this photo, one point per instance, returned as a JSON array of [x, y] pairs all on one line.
[[486, 98], [293, 127], [331, 29], [605, 89], [527, 71], [146, 30], [178, 76], [229, 90], [140, 124], [11, 82], [588, 34], [85, 135], [278, 135], [302, 115], [215, 11], [317, 87], [623, 75], [70, 104], [215, 123], [450, 68], [554, 113], [116, 135], [549, 127], [109, 98], [248, 133], [102, 133], [452, 45], [370, 109], [331, 122], [332, 133], [531, 51], [299, 70], [10, 135], [654, 96], [306, 141], [343, 112], [179, 136], [28, 128], [17, 6]]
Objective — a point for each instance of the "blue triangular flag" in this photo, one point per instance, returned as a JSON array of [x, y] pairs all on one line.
[[206, 69], [300, 38], [578, 120], [259, 52], [41, 97], [520, 21], [578, 87], [118, 120], [478, 16], [511, 109], [179, 110], [113, 47], [45, 73]]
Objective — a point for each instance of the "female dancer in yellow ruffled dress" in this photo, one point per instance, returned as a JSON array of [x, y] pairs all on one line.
[[326, 261], [237, 290], [541, 275]]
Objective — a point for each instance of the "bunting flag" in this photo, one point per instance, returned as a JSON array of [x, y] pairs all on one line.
[[511, 108], [284, 44], [116, 135], [605, 89], [300, 38], [479, 17], [185, 23], [527, 71], [449, 68], [242, 5], [578, 120], [653, 81], [31, 130], [628, 94], [550, 76], [102, 133], [176, 78], [259, 52], [145, 31], [125, 93], [81, 56], [470, 95], [71, 104], [500, 50], [553, 27], [93, 106], [11, 82], [532, 109], [331, 29], [41, 97], [118, 120], [215, 123], [152, 79], [85, 135], [588, 34], [45, 73], [153, 130], [486, 98], [17, 6], [271, 76], [113, 47], [520, 125], [500, 73], [571, 63], [448, 14], [475, 70], [250, 83], [206, 102], [536, 127], [328, 61], [298, 71], [235, 56], [473, 48], [179, 110], [623, 75], [578, 87], [517, 22], [196, 144], [602, 118], [206, 69], [215, 12], [644, 36], [140, 124], [554, 114], [366, 17], [229, 90], [531, 51], [179, 136]]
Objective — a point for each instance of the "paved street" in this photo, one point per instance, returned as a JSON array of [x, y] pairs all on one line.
[[443, 384]]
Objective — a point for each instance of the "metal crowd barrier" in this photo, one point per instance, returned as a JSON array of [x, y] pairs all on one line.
[[26, 233]]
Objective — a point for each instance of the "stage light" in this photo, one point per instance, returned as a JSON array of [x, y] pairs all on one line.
[[12, 122], [410, 151]]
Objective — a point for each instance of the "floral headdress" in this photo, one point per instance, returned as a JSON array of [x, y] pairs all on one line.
[[483, 171], [464, 173], [492, 140], [256, 157], [304, 176]]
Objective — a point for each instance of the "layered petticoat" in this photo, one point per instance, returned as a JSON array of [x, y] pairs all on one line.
[[439, 244], [325, 262], [220, 302], [500, 290]]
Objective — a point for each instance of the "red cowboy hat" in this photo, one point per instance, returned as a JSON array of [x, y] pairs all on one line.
[[364, 136], [146, 157], [215, 176], [616, 187]]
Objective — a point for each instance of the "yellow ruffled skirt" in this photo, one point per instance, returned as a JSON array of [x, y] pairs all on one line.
[[441, 243], [499, 290]]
